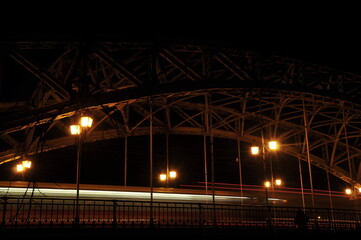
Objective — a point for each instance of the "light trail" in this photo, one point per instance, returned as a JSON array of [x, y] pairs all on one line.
[[260, 188], [126, 195]]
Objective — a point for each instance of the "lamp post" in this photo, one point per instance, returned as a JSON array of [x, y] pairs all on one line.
[[165, 177], [79, 130], [23, 166], [255, 151], [278, 182]]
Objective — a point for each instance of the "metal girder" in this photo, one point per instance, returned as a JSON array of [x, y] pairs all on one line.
[[122, 69], [183, 67], [233, 67]]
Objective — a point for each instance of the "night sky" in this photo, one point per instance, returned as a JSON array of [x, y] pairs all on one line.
[[325, 35]]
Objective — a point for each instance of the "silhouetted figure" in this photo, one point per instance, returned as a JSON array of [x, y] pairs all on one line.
[[301, 220]]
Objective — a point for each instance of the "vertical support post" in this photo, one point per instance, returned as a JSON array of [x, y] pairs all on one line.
[[210, 128], [207, 129], [212, 159], [241, 130], [306, 127], [301, 182], [78, 163], [125, 159], [240, 168], [205, 163], [212, 169], [264, 163], [151, 158], [263, 153], [169, 127], [167, 157]]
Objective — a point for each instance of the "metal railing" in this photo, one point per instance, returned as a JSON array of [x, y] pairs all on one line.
[[45, 212]]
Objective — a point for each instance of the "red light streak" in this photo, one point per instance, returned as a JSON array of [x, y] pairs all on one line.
[[258, 188]]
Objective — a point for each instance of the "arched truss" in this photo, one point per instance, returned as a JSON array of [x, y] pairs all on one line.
[[193, 90]]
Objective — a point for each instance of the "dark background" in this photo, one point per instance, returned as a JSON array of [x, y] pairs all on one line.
[[326, 34]]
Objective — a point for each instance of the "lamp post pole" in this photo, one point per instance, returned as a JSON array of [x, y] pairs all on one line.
[[80, 131], [265, 172], [255, 150], [78, 158]]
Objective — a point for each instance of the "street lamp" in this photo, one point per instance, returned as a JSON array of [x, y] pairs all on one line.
[[86, 122], [22, 167], [74, 129], [255, 151], [164, 177], [25, 164], [277, 183], [79, 130], [272, 145], [172, 174]]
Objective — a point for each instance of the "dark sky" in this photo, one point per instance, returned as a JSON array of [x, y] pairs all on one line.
[[325, 34]]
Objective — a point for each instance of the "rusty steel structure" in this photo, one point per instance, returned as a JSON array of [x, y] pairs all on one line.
[[190, 89]]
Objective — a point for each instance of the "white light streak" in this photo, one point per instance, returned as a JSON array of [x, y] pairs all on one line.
[[125, 195]]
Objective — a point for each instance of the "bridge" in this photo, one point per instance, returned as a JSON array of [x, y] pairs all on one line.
[[149, 89]]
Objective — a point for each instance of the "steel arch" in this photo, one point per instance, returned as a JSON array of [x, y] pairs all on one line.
[[194, 90]]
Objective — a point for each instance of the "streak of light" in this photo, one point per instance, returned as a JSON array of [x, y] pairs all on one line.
[[70, 193], [276, 189]]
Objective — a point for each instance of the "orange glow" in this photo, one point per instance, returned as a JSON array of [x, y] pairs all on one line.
[[75, 129], [86, 122], [26, 164], [19, 168], [172, 174], [255, 150], [273, 145], [162, 177], [278, 182]]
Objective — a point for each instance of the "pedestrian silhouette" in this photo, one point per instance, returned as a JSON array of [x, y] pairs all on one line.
[[301, 220]]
